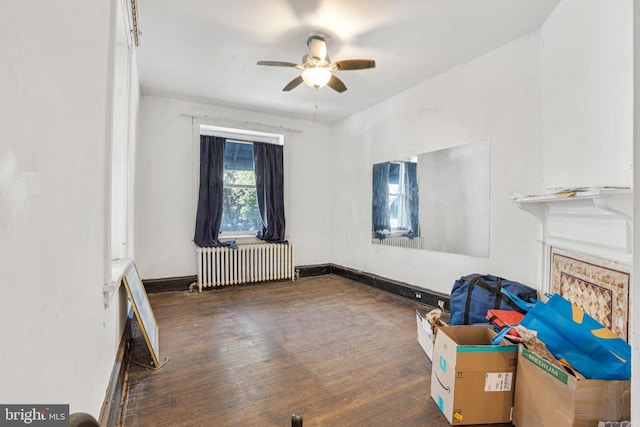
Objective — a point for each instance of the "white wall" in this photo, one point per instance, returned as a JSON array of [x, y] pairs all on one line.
[[495, 97], [587, 96], [166, 173], [58, 340]]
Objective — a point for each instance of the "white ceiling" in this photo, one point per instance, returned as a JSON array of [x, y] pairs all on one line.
[[206, 50]]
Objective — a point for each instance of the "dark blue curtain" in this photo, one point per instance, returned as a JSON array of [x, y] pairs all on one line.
[[210, 193], [268, 165], [380, 205], [411, 192]]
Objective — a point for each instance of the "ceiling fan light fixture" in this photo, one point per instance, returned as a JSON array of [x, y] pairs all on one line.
[[316, 77]]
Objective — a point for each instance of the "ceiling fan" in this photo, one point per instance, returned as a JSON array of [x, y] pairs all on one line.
[[317, 68]]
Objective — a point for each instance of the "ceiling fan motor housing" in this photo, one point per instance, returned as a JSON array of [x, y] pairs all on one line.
[[317, 48]]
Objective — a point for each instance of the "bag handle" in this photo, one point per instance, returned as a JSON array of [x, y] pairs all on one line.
[[484, 282], [500, 335], [522, 304]]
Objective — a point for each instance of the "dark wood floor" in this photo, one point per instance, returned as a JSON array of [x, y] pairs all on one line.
[[333, 350]]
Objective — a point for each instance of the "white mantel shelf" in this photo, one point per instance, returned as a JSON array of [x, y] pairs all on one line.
[[597, 221], [616, 201]]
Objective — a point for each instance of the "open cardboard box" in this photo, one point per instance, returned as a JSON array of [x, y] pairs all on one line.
[[472, 381], [425, 334], [547, 395]]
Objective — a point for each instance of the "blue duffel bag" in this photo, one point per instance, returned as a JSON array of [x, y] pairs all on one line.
[[473, 295]]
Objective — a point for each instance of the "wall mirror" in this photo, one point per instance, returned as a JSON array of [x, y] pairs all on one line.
[[436, 201]]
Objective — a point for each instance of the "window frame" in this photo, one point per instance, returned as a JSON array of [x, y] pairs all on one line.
[[234, 135], [238, 233]]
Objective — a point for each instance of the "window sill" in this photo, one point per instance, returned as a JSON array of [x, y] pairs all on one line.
[[242, 239], [118, 268], [393, 233]]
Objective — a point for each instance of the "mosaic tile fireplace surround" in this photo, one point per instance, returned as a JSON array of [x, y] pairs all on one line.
[[597, 286]]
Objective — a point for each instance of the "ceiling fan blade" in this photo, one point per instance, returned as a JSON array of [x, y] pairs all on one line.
[[292, 84], [355, 64], [336, 84], [277, 63]]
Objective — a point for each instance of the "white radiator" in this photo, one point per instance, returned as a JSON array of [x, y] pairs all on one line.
[[249, 263], [400, 242]]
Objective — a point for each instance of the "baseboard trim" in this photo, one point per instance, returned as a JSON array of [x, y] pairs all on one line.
[[422, 296], [169, 284], [112, 405], [314, 270], [404, 290]]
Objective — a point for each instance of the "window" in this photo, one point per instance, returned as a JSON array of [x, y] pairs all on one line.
[[122, 137], [240, 213], [397, 210], [395, 199]]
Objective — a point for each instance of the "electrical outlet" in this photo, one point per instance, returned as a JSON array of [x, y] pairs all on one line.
[[418, 295], [441, 303]]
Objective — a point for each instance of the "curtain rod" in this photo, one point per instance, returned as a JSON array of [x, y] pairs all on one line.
[[245, 122]]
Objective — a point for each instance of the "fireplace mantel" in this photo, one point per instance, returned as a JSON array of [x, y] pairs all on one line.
[[593, 221], [586, 250]]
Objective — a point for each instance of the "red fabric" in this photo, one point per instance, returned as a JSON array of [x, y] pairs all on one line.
[[502, 318]]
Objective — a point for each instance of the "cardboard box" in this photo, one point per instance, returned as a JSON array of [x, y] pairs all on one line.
[[425, 334], [473, 381], [549, 396]]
